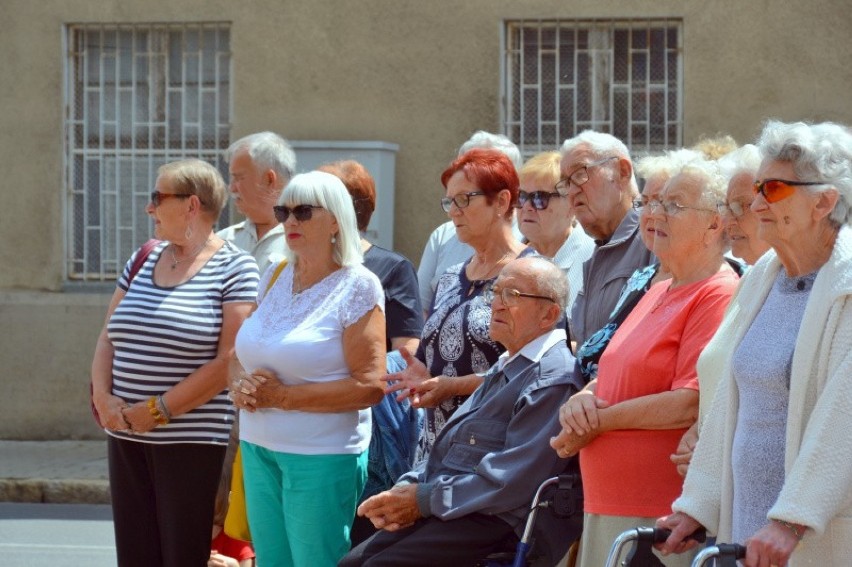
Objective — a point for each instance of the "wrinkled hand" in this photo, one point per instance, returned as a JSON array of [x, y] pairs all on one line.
[[408, 382], [683, 454], [139, 417], [567, 444], [579, 415], [773, 544], [392, 509], [110, 411], [682, 526], [433, 391], [260, 389]]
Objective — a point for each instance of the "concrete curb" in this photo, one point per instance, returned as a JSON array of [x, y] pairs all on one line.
[[52, 491]]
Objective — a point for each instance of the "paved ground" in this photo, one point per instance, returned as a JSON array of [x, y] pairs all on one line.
[[59, 472]]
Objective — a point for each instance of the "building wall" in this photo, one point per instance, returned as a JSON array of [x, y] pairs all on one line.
[[423, 75]]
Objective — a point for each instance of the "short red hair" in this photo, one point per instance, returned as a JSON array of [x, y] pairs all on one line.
[[360, 185], [490, 170]]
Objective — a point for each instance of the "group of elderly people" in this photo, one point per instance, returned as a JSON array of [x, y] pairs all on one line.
[[708, 314]]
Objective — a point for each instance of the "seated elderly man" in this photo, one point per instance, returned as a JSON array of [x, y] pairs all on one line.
[[473, 492]]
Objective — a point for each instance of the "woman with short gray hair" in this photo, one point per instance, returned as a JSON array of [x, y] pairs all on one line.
[[771, 469]]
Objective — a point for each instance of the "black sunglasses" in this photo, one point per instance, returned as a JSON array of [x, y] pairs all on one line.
[[539, 199], [157, 197], [301, 212]]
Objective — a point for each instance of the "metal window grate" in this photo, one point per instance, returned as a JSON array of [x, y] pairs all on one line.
[[137, 96], [623, 77]]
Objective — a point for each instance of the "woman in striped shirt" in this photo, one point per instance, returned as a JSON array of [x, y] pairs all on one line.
[[160, 370]]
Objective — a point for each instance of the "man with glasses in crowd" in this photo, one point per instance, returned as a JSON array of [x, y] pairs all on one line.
[[260, 165], [473, 492], [597, 174]]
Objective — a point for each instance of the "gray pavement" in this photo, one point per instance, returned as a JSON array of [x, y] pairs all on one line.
[[58, 472]]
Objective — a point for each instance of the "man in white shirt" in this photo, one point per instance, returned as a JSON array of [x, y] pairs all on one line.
[[260, 165]]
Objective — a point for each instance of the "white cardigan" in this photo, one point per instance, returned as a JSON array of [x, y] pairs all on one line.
[[817, 489]]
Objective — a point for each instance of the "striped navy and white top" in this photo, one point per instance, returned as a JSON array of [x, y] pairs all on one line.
[[161, 335]]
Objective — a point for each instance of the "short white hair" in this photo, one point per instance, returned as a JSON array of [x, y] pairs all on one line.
[[715, 186], [818, 152], [325, 190], [488, 141], [267, 150], [742, 160], [599, 143], [668, 164]]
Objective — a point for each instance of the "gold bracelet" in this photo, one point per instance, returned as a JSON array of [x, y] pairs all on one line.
[[799, 535], [155, 411]]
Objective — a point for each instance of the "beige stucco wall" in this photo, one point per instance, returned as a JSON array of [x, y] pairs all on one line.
[[423, 75]]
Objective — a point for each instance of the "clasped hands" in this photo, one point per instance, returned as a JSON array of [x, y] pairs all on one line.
[[260, 389], [392, 509], [118, 415], [415, 383], [580, 423]]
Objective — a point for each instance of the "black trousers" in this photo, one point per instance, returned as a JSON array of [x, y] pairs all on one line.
[[162, 501], [431, 542]]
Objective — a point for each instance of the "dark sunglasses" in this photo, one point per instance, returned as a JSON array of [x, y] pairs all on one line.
[[157, 197], [301, 212], [774, 190], [539, 199]]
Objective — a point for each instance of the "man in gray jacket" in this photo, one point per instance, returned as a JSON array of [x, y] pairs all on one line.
[[473, 492], [597, 175]]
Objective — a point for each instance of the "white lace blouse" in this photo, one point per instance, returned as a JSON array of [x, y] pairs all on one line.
[[300, 338]]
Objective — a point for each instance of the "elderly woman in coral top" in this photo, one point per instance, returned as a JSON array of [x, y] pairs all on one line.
[[627, 422], [771, 468]]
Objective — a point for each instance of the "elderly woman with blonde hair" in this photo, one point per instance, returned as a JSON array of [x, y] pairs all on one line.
[[771, 468], [547, 221], [159, 374], [313, 354], [627, 421]]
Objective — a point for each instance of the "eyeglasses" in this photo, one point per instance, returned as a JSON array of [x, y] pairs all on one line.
[[301, 212], [774, 190], [510, 296], [539, 199], [461, 201], [671, 208], [580, 176], [158, 197], [735, 209]]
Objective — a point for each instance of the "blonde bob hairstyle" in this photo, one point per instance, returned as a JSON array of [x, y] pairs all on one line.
[[325, 190], [199, 178], [542, 169]]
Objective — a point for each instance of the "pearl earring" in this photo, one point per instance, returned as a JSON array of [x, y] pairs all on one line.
[[333, 239]]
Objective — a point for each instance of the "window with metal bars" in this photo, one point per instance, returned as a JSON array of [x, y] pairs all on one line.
[[137, 96], [623, 77]]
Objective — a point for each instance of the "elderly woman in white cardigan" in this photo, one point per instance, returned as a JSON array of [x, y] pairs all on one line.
[[772, 466]]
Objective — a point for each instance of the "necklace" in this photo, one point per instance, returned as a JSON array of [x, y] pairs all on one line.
[[195, 253], [488, 274]]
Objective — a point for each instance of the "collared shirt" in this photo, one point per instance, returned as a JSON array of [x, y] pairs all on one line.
[[578, 248], [494, 451], [535, 349], [604, 275], [267, 251]]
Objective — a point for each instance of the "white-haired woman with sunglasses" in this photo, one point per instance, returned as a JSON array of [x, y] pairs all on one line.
[[627, 422], [547, 222], [313, 355], [771, 469], [159, 374]]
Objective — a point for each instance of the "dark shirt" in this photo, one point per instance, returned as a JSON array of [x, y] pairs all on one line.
[[604, 276], [403, 311]]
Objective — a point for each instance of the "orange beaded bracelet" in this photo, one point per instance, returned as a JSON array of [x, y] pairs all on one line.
[[155, 411]]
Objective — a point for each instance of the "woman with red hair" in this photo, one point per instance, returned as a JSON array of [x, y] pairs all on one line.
[[481, 192]]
